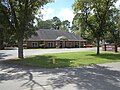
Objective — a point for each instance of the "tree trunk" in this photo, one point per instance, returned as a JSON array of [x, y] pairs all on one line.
[[98, 45], [116, 49], [20, 48], [1, 39], [1, 45], [105, 47]]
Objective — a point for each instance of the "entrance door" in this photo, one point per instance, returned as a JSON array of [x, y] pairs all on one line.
[[34, 44], [50, 44]]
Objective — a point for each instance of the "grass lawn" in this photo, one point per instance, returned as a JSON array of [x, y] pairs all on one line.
[[68, 59]]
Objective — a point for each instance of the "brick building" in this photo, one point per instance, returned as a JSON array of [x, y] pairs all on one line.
[[49, 38]]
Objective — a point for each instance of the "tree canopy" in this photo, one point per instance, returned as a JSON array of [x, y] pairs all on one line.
[[65, 25], [47, 24], [54, 23], [95, 16], [19, 16]]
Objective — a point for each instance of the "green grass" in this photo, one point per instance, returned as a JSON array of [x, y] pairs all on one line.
[[68, 59]]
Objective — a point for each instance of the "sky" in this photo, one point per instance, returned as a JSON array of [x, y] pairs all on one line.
[[62, 9]]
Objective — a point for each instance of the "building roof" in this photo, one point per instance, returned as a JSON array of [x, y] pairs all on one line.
[[50, 34]]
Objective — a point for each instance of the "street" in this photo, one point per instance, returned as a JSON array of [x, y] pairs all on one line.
[[11, 54]]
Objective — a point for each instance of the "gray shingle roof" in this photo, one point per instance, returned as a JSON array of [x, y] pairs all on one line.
[[50, 34]]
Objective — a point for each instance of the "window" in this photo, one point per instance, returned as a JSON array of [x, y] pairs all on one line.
[[50, 44], [34, 44]]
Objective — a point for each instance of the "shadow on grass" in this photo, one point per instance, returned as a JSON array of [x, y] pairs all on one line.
[[109, 56], [42, 61]]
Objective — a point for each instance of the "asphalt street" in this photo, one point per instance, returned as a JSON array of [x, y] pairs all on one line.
[[9, 54]]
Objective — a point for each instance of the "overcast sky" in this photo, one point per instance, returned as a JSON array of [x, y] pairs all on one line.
[[62, 9]]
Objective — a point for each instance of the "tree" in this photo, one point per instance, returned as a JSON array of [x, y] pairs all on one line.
[[56, 23], [113, 35], [93, 16], [76, 23], [20, 16], [6, 35], [1, 31], [65, 25], [4, 27], [81, 31], [44, 24]]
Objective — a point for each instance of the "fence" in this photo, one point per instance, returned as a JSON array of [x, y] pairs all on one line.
[[110, 47]]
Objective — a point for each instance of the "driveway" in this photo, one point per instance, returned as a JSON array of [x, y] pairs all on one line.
[[9, 54], [97, 77]]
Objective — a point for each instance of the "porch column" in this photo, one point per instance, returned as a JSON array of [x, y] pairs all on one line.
[[74, 44], [57, 44], [63, 44], [44, 44], [79, 44]]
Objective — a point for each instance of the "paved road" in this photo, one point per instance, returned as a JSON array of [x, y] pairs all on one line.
[[98, 77], [9, 54]]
